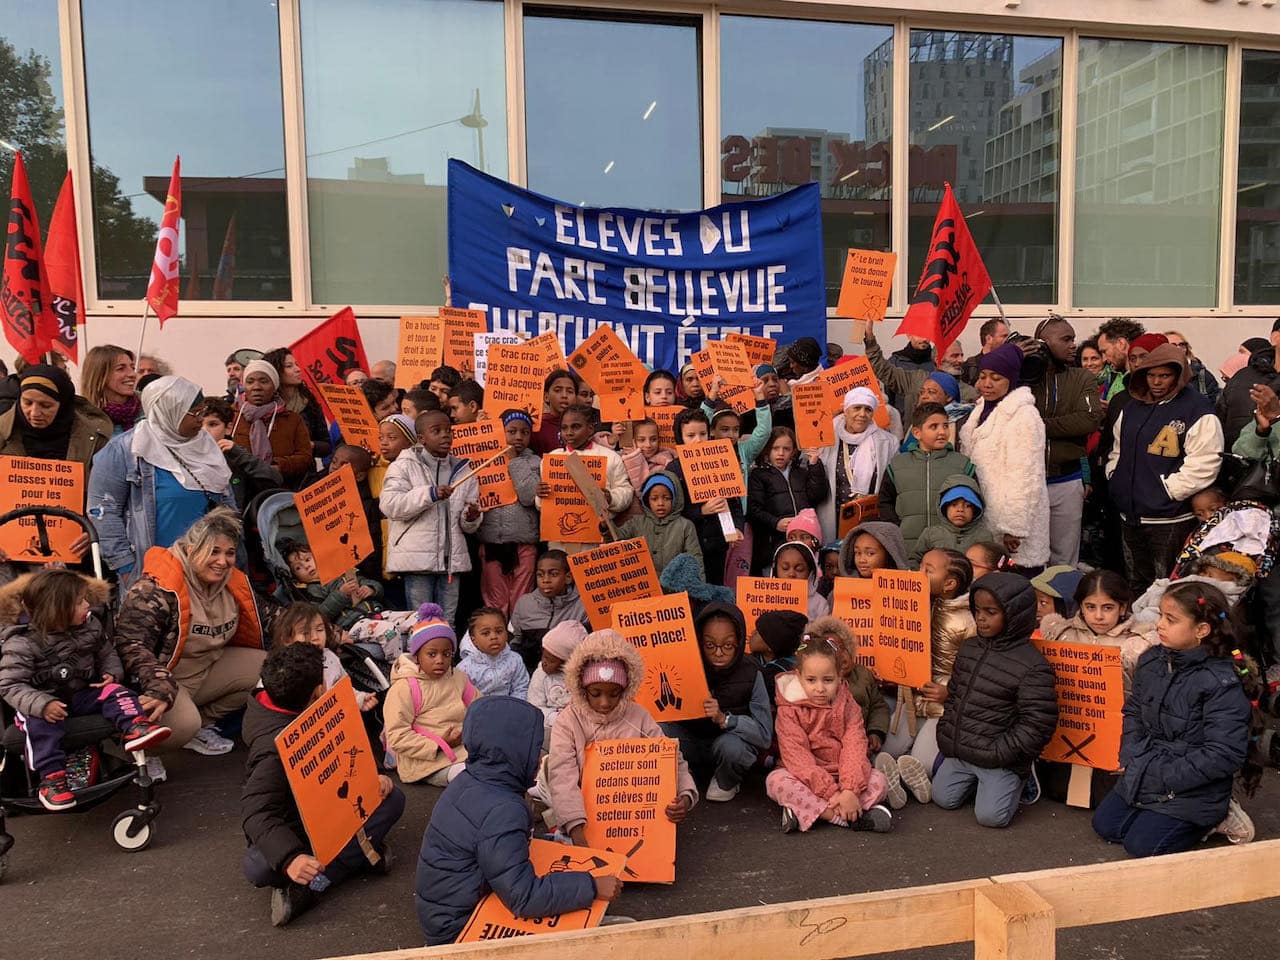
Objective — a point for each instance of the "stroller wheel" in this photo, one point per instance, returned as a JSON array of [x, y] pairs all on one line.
[[131, 831]]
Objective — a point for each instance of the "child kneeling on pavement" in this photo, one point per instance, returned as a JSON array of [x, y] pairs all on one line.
[[279, 855]]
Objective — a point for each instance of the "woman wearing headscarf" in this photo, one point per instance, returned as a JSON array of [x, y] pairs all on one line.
[[50, 422], [267, 428], [856, 462], [151, 483]]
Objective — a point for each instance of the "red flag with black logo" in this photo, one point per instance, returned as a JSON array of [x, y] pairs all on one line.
[[953, 283], [329, 352], [62, 264], [25, 305], [162, 291]]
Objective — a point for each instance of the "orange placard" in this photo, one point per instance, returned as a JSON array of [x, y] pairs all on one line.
[[566, 515], [731, 363], [853, 601], [665, 417], [28, 482], [548, 347], [460, 328], [330, 767], [513, 381], [759, 349], [1090, 683], [711, 469], [675, 686], [865, 286], [614, 372], [757, 595], [478, 442], [492, 920], [815, 424], [420, 351], [902, 612], [334, 522], [612, 572], [740, 398], [350, 408], [857, 512], [626, 786], [854, 372]]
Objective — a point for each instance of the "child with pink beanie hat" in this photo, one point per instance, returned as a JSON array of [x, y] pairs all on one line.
[[547, 689]]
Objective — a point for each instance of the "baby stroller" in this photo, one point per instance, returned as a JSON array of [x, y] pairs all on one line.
[[98, 765]]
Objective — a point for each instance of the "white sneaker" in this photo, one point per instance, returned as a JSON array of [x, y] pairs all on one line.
[[719, 794], [897, 796], [156, 770], [209, 743], [915, 777], [1237, 827]]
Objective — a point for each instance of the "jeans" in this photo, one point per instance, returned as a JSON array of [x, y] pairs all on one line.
[[437, 588], [731, 755], [996, 792], [1144, 833], [1150, 550], [1066, 506], [350, 859]]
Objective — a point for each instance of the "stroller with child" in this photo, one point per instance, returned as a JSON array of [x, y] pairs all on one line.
[[98, 766]]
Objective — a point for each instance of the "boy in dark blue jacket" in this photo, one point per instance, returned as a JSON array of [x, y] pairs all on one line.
[[478, 837]]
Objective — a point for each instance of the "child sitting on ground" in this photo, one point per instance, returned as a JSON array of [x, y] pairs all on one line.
[[1001, 706], [795, 561], [1103, 600], [738, 724], [425, 706], [661, 524], [915, 479], [824, 772], [62, 663], [477, 840], [829, 565], [862, 683], [1230, 571], [279, 855], [603, 676], [773, 643], [554, 600], [344, 602], [960, 509], [1055, 589], [487, 657], [302, 622], [547, 689]]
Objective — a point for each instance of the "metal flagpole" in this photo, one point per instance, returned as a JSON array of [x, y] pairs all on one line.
[[999, 306], [146, 312]]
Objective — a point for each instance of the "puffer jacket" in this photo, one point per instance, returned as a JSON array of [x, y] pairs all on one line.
[[951, 625], [1186, 735], [425, 532], [911, 486], [579, 725], [269, 815], [773, 496], [944, 533], [668, 537], [415, 736], [739, 688], [824, 746], [890, 537], [37, 669], [477, 840], [516, 522], [90, 432], [1131, 636], [1002, 707], [1067, 399], [1234, 406]]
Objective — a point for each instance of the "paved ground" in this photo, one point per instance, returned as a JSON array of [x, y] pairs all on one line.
[[69, 886]]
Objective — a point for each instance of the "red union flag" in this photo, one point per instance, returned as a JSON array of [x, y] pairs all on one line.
[[953, 282], [25, 304], [62, 264], [329, 352], [162, 291]]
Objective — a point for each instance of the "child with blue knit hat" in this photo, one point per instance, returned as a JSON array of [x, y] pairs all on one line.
[[960, 508], [663, 525]]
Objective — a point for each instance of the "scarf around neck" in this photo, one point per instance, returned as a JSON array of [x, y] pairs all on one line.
[[124, 414], [261, 418], [861, 458]]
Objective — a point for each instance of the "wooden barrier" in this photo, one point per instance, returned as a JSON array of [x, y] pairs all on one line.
[[1008, 917]]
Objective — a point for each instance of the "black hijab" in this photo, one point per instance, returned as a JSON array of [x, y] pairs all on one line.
[[53, 441]]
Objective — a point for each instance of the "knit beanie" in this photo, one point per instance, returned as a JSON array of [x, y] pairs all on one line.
[[261, 366], [765, 369], [1005, 360], [806, 521], [404, 425], [605, 671], [950, 386], [781, 631], [562, 639], [657, 480], [431, 625]]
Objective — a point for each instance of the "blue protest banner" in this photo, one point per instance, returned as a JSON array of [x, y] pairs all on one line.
[[665, 282]]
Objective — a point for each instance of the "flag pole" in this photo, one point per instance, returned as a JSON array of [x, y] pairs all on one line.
[[146, 312], [999, 306]]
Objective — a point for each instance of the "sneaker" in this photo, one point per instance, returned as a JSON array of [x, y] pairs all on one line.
[[1238, 826], [877, 820], [915, 777], [54, 793], [156, 770], [289, 903], [719, 794], [1031, 788], [889, 767], [144, 734], [208, 742], [790, 822]]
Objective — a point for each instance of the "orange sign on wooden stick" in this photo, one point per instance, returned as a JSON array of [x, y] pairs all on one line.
[[815, 425], [421, 349], [731, 363], [613, 572], [854, 372], [626, 374], [350, 408], [566, 515], [460, 328], [902, 611], [513, 381], [492, 920], [331, 771], [711, 470], [478, 442], [740, 398], [675, 686], [29, 482], [626, 786], [334, 522], [853, 601], [757, 595], [1090, 682], [865, 286]]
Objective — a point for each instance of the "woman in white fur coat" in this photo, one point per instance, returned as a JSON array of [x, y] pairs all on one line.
[[1004, 437]]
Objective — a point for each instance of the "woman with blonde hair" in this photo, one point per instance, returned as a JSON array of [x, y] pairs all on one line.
[[108, 380]]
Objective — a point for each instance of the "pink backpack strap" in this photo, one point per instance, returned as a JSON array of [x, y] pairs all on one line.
[[415, 689], [469, 694]]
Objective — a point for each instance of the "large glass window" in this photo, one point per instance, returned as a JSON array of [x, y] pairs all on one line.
[[1258, 181], [1148, 173], [986, 111], [613, 111], [203, 83], [805, 101], [392, 89], [31, 101]]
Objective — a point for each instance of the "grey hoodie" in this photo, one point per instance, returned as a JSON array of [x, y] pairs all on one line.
[[890, 537]]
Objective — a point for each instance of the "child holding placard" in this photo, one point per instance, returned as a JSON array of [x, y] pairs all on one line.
[[577, 430], [509, 534], [662, 524], [824, 772], [603, 676], [345, 601], [782, 482], [1105, 602], [692, 426]]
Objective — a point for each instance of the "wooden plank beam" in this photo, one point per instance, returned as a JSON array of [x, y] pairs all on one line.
[[1012, 922]]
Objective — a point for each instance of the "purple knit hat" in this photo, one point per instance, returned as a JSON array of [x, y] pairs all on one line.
[[1006, 360], [431, 625]]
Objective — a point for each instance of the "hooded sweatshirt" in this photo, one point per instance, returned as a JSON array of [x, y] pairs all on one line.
[[416, 735], [738, 688], [819, 606], [888, 535], [579, 725], [911, 485], [1166, 451], [668, 536], [824, 746], [535, 613], [944, 533], [478, 838]]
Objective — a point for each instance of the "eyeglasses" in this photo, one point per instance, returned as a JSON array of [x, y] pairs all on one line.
[[720, 647]]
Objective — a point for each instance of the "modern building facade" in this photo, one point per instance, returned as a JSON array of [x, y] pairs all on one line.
[[1112, 156]]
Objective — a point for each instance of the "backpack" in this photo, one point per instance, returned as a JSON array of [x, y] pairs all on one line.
[[415, 689]]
